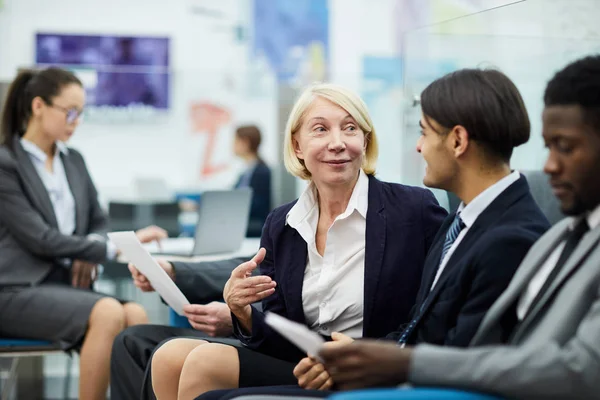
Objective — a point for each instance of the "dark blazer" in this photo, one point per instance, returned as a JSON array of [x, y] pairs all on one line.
[[203, 282], [400, 226], [260, 182], [478, 271], [30, 241]]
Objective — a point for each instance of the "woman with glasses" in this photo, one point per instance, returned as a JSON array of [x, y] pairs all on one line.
[[52, 230]]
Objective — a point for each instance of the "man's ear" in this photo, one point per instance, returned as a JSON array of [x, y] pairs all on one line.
[[459, 140], [297, 148]]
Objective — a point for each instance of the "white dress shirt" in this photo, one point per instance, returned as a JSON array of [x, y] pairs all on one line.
[[538, 280], [470, 213], [56, 184], [333, 289]]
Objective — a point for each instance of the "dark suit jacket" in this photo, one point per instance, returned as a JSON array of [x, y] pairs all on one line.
[[478, 271], [30, 241], [401, 224], [203, 282], [260, 182]]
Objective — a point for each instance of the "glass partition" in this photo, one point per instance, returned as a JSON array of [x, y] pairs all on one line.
[[528, 41]]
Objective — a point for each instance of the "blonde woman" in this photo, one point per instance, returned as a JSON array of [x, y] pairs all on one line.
[[345, 258]]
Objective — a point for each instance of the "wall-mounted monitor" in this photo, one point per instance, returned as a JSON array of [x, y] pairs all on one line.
[[117, 71]]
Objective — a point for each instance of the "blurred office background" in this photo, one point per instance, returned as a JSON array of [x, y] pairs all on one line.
[[168, 82]]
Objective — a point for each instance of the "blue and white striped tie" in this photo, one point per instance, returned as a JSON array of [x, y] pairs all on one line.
[[451, 235], [453, 232]]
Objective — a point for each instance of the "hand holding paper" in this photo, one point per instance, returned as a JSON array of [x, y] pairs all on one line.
[[296, 333], [312, 374], [130, 246]]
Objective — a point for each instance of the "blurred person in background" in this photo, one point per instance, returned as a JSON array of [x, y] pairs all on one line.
[[52, 230], [257, 176]]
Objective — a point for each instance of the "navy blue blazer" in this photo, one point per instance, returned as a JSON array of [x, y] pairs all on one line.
[[478, 271], [400, 226], [260, 182]]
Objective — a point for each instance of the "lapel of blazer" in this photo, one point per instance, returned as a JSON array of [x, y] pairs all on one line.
[[33, 184], [486, 219], [464, 247], [296, 266], [78, 189], [578, 256], [375, 239], [528, 268], [432, 261]]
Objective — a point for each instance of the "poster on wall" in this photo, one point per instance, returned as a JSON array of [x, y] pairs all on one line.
[[291, 37], [126, 78]]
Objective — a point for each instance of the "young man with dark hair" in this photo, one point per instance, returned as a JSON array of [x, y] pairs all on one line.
[[471, 121], [553, 351]]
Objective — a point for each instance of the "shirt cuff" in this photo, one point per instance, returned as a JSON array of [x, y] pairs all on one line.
[[111, 248]]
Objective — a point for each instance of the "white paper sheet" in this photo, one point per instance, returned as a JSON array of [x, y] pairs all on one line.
[[132, 249], [296, 333]]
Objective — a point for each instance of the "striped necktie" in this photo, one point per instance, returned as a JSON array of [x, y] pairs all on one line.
[[453, 232], [457, 226]]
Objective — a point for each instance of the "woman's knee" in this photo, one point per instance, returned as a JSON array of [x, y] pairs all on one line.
[[135, 314], [170, 356], [108, 315], [213, 356]]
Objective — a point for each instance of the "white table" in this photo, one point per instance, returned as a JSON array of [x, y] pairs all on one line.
[[185, 245]]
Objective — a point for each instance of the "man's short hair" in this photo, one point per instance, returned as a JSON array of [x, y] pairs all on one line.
[[578, 84], [486, 103]]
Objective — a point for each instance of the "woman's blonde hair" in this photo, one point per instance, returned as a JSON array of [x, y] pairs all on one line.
[[344, 98]]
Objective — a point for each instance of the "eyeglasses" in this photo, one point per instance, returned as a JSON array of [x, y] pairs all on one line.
[[73, 114]]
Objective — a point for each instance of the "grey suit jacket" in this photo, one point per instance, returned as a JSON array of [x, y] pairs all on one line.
[[30, 241], [554, 353]]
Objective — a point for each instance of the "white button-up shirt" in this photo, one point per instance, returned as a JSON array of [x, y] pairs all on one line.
[[470, 213], [538, 280], [333, 289], [56, 184]]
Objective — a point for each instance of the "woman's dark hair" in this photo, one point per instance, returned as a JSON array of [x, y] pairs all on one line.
[[28, 85], [486, 103], [578, 84], [251, 134]]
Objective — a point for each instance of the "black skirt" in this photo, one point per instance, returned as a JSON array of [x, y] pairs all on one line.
[[257, 369], [52, 311]]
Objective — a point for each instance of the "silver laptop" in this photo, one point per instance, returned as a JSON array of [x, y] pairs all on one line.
[[222, 224]]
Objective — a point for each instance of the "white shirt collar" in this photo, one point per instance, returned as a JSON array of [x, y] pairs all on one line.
[[359, 201], [470, 212], [38, 153], [593, 218]]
